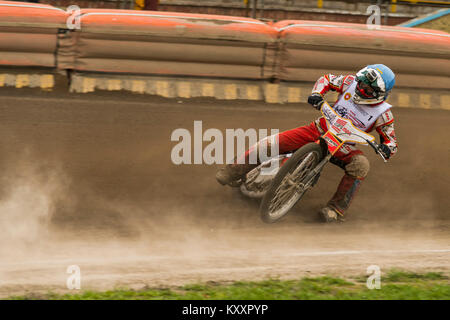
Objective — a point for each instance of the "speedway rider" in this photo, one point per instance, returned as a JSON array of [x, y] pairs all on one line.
[[361, 100]]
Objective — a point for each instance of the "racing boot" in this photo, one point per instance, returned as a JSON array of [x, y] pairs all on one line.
[[233, 174], [329, 214], [340, 202]]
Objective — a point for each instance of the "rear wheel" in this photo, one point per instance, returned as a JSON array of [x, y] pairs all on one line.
[[287, 187]]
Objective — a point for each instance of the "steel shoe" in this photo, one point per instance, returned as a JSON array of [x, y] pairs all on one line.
[[329, 215], [227, 176]]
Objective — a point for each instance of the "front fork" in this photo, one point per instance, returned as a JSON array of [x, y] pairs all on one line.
[[329, 144], [312, 178]]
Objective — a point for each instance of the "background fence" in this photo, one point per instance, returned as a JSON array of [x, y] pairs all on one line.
[[209, 46]]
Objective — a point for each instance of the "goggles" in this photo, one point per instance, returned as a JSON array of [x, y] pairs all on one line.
[[366, 90]]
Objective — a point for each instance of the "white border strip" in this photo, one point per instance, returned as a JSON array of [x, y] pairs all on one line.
[[30, 6], [346, 27], [140, 259], [164, 16], [356, 252]]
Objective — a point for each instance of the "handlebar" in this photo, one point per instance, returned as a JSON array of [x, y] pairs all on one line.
[[374, 146]]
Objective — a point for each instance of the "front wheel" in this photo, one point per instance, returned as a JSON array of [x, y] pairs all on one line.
[[288, 186]]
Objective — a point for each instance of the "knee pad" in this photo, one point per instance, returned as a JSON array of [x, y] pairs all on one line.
[[358, 167]]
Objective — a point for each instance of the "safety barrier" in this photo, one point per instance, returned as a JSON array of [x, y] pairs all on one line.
[[420, 57], [28, 33], [205, 47], [171, 43]]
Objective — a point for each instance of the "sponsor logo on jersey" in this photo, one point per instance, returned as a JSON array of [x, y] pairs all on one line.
[[341, 111], [344, 113], [330, 116], [361, 110], [354, 119]]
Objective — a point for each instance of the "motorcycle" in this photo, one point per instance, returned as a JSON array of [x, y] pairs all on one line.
[[283, 180]]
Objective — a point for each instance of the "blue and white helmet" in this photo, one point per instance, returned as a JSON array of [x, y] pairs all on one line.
[[374, 84]]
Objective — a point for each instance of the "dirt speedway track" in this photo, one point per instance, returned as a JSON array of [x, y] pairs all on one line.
[[88, 180]]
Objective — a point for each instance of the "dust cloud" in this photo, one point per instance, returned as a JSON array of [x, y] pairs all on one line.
[[29, 191], [91, 184]]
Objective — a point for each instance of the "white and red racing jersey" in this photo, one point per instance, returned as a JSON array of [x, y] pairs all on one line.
[[377, 117]]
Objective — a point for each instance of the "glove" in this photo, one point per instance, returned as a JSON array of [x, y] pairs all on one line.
[[384, 149], [315, 100]]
